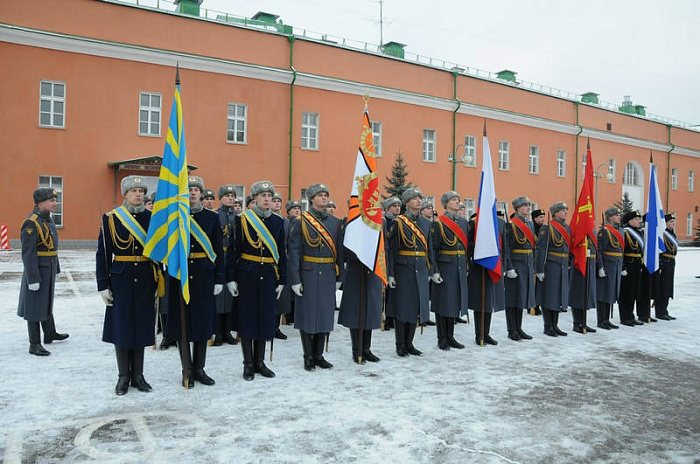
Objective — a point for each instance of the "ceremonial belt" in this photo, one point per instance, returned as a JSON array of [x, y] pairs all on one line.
[[633, 255], [262, 231], [225, 248], [258, 259], [47, 253], [452, 252], [666, 255], [415, 230], [130, 224], [411, 253], [522, 252], [524, 229], [314, 259], [591, 256], [201, 237], [612, 253], [131, 259], [558, 255], [454, 227], [198, 255]]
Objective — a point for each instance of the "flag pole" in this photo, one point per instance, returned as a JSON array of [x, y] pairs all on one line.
[[184, 343], [361, 313]]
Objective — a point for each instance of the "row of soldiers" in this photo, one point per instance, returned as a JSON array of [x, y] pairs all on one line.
[[246, 268]]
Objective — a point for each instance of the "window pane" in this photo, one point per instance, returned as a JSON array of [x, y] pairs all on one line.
[[45, 106], [241, 111], [143, 128], [58, 90], [155, 101], [154, 128], [144, 99], [46, 89], [58, 120], [58, 107]]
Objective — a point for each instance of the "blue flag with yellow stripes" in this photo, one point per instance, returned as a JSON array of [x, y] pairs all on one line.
[[168, 239]]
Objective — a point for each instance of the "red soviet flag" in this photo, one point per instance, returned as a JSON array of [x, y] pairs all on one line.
[[583, 220]]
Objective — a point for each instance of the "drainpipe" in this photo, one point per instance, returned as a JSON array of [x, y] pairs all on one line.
[[668, 167], [291, 39], [580, 129], [454, 133]]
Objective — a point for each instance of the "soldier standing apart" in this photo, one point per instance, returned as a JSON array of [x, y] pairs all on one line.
[[449, 296], [225, 302], [127, 282], [518, 262], [578, 291], [258, 269], [631, 287], [392, 208], [40, 257], [206, 278], [610, 247], [552, 268], [314, 249], [408, 268], [667, 269]]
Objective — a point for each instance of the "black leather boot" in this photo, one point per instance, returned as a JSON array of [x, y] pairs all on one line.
[[555, 324], [220, 327], [511, 322], [354, 340], [307, 344], [441, 332], [366, 344], [247, 348], [319, 360], [123, 368], [450, 328], [50, 334], [186, 362], [547, 316], [137, 379], [199, 358], [278, 333], [35, 347], [487, 330], [259, 356], [400, 334], [410, 333], [478, 334], [519, 325]]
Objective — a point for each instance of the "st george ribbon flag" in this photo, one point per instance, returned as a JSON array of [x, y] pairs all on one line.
[[655, 223], [363, 233], [583, 220], [168, 239], [487, 252]]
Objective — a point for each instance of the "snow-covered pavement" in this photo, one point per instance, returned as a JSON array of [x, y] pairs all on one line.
[[629, 395]]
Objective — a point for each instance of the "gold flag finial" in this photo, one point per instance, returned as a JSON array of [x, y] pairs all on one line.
[[365, 97]]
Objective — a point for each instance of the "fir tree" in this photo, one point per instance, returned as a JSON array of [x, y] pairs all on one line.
[[397, 181], [625, 204]]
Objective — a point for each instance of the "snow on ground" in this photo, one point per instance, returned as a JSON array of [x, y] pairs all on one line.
[[629, 395]]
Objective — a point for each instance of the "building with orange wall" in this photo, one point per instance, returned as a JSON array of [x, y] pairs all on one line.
[[88, 90]]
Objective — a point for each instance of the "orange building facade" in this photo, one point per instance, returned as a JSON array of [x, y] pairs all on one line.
[[88, 90]]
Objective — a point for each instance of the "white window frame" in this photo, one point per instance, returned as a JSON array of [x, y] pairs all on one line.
[[153, 114], [674, 178], [612, 170], [470, 150], [377, 137], [429, 145], [689, 225], [534, 160], [53, 101], [470, 206], [502, 206], [56, 183], [691, 181], [304, 201], [237, 123], [631, 175], [561, 163], [503, 155], [309, 131]]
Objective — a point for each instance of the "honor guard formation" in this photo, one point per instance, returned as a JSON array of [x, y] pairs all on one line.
[[253, 270]]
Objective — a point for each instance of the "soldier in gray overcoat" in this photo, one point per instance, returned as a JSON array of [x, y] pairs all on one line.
[[610, 248], [552, 268], [40, 257], [285, 303], [392, 208], [518, 263], [494, 294], [409, 264], [225, 302], [582, 289], [315, 254], [449, 294]]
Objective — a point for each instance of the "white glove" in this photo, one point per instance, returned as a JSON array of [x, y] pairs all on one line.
[[232, 287], [624, 272], [34, 287], [107, 296], [511, 274], [279, 289], [338, 285], [540, 276], [218, 288], [436, 278], [391, 282], [601, 273], [297, 289]]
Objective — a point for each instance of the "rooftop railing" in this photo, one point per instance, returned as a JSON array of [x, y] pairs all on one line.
[[279, 27]]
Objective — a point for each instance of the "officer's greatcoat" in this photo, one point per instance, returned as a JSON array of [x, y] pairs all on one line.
[[225, 302], [495, 293], [518, 255], [349, 315], [552, 259], [577, 281], [610, 247], [449, 298], [122, 268], [40, 257]]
